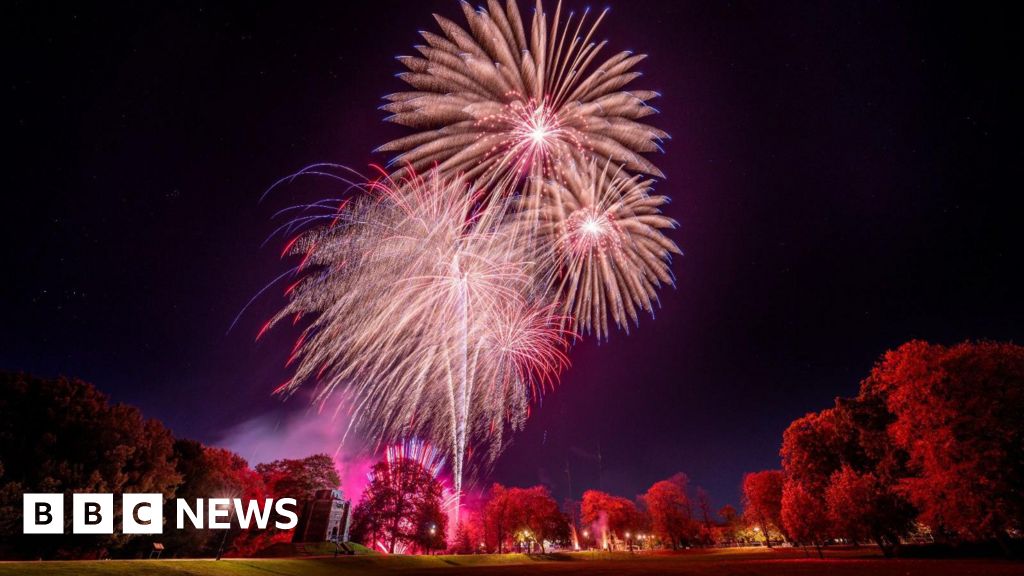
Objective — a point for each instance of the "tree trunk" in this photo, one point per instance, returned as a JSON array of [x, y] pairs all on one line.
[[764, 529], [1005, 545]]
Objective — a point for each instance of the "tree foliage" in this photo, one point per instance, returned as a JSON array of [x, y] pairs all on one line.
[[400, 506], [523, 514], [957, 413], [762, 500], [63, 435], [610, 516], [934, 435], [670, 510], [299, 478]]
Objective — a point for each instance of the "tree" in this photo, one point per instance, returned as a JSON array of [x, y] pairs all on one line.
[[401, 505], [762, 496], [540, 515], [804, 514], [299, 478], [707, 526], [611, 516], [731, 524], [498, 518], [63, 435], [862, 507], [844, 466], [530, 513], [469, 534], [957, 414], [669, 507], [208, 472]]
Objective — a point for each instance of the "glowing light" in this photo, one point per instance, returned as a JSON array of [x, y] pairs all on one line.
[[540, 130], [592, 226]]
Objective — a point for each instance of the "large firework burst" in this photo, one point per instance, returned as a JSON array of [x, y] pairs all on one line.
[[423, 317], [440, 307], [497, 100], [600, 233]]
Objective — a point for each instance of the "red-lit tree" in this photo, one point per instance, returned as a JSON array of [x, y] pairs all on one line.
[[728, 532], [470, 535], [762, 499], [958, 413], [499, 518], [529, 514], [670, 511], [400, 506], [842, 465], [540, 515], [707, 526], [299, 478], [804, 515], [611, 516], [295, 478]]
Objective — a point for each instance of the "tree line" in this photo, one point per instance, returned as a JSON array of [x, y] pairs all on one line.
[[63, 435], [932, 447]]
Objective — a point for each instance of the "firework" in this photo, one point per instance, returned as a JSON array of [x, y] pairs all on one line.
[[431, 459], [423, 317], [600, 232], [440, 307], [498, 100]]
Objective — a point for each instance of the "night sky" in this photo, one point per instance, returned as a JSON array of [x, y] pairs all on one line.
[[847, 177]]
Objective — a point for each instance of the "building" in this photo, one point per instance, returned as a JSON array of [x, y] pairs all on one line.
[[324, 517]]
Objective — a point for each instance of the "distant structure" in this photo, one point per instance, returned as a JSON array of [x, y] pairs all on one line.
[[324, 517]]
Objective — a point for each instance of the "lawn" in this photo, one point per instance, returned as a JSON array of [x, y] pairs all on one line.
[[733, 562]]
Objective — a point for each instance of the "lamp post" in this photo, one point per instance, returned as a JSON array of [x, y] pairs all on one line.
[[223, 540]]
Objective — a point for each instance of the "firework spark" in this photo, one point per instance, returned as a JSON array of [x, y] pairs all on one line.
[[440, 307], [423, 316], [430, 459], [600, 231], [494, 102]]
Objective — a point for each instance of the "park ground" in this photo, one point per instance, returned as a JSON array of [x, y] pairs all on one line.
[[727, 562]]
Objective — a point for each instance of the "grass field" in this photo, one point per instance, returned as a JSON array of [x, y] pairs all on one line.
[[733, 562]]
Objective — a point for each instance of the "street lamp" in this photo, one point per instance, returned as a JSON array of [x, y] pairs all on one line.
[[231, 516], [430, 546]]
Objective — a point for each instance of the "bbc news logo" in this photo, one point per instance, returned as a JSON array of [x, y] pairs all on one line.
[[144, 513]]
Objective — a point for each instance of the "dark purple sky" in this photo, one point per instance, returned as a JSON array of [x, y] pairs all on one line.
[[847, 177]]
